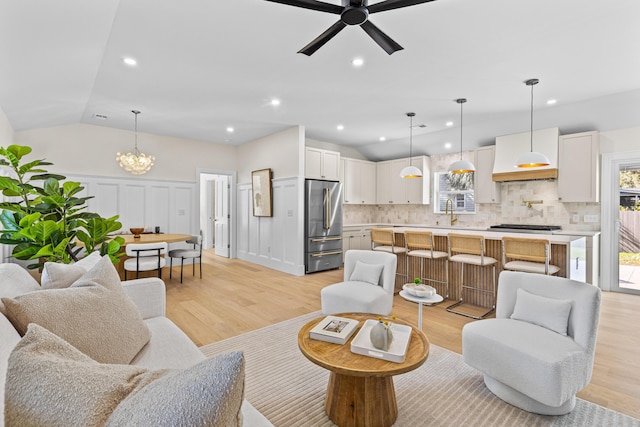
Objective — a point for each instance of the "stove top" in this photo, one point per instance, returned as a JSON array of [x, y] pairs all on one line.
[[532, 227]]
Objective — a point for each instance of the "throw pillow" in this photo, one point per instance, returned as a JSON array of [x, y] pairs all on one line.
[[369, 273], [549, 313], [15, 280], [94, 315], [43, 369], [56, 275]]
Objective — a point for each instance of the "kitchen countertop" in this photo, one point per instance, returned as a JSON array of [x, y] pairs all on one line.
[[559, 235]]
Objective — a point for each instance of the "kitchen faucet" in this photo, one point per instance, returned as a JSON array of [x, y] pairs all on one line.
[[446, 211]]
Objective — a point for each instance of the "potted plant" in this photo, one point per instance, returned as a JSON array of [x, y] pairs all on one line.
[[419, 289], [45, 219]]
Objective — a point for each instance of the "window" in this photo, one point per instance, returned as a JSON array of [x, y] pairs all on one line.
[[458, 188]]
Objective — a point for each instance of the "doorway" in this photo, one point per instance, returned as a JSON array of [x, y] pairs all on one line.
[[216, 212], [621, 222]]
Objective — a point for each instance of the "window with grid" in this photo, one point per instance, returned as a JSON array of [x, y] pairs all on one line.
[[458, 188]]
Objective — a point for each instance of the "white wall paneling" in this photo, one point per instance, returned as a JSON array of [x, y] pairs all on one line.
[[170, 205], [275, 242]]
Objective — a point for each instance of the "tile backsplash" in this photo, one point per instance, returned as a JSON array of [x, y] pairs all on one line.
[[511, 211]]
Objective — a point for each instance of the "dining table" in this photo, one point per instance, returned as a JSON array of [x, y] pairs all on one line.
[[147, 238]]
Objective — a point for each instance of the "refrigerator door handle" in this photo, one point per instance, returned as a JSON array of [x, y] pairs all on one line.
[[327, 208], [326, 239]]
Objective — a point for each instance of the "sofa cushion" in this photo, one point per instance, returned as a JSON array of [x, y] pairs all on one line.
[[94, 315], [550, 313], [56, 275], [43, 368], [369, 273]]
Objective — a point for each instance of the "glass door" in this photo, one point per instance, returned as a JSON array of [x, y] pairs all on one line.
[[628, 227]]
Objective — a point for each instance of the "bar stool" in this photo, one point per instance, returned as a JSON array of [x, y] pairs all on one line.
[[527, 255], [384, 239], [469, 249], [419, 245]]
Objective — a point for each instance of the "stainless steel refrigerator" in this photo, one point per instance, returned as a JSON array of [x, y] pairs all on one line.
[[323, 225]]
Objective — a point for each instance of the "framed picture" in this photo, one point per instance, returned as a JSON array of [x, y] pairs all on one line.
[[261, 190]]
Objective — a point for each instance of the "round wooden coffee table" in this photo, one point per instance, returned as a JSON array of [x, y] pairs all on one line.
[[360, 390]]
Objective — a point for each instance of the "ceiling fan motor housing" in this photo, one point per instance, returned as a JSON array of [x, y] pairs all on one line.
[[354, 15]]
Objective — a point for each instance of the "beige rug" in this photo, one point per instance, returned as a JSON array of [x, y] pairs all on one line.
[[289, 390]]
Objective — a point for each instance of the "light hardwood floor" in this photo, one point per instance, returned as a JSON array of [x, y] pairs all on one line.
[[236, 297]]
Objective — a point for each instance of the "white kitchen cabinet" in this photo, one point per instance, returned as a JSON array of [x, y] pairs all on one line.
[[487, 190], [322, 164], [356, 237], [578, 169], [394, 190], [359, 181]]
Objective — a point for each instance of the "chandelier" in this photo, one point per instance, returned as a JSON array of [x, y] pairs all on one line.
[[137, 162]]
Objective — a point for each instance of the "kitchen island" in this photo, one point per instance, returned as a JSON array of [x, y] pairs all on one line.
[[575, 254]]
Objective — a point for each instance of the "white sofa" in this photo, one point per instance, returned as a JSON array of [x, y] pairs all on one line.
[[168, 347]]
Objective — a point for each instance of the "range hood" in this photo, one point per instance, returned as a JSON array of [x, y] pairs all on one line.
[[510, 147]]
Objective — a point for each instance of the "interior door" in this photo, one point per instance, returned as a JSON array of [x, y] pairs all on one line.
[[222, 216]]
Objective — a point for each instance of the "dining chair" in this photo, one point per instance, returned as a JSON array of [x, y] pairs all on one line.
[[145, 257], [420, 246], [194, 253], [527, 255], [384, 240]]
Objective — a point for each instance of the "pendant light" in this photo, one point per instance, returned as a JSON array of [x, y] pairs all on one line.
[[532, 159], [410, 171], [136, 163], [461, 166]]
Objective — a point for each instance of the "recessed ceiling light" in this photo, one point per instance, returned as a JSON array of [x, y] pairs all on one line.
[[552, 101], [357, 62], [230, 129], [382, 138], [449, 123], [340, 127], [447, 145], [275, 102], [130, 61]]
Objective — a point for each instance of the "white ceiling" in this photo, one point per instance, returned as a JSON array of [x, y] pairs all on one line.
[[204, 65]]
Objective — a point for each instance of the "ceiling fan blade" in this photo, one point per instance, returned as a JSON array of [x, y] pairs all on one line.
[[381, 38], [313, 5], [394, 4], [320, 41]]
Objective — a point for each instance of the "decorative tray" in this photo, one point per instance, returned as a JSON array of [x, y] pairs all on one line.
[[361, 344]]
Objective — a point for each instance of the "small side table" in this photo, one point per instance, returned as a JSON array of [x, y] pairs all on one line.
[[421, 301]]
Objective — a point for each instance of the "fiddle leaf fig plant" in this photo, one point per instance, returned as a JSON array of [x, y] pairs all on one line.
[[46, 219]]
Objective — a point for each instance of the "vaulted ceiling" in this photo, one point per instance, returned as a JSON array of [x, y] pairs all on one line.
[[204, 66]]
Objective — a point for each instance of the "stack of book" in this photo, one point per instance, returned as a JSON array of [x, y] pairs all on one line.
[[334, 329]]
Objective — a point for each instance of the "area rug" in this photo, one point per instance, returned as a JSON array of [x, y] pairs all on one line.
[[289, 390]]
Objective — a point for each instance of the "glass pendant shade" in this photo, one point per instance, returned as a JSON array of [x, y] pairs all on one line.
[[532, 159], [136, 162], [410, 171], [461, 166]]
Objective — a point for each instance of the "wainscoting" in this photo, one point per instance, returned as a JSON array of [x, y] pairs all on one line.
[[170, 205], [275, 242]]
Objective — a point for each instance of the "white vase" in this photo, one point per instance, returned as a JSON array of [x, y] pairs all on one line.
[[381, 336]]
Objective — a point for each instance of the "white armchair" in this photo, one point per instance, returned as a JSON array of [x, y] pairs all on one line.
[[538, 352], [369, 280]]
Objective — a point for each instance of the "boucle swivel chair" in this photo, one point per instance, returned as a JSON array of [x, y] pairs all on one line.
[[369, 280], [538, 352]]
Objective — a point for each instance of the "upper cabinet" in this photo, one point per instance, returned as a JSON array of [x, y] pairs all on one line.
[[394, 190], [359, 181], [578, 169], [487, 190], [322, 164]]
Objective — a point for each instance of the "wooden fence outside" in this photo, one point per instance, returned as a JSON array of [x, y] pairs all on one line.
[[629, 231]]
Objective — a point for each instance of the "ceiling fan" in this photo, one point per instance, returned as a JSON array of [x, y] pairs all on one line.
[[352, 12]]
